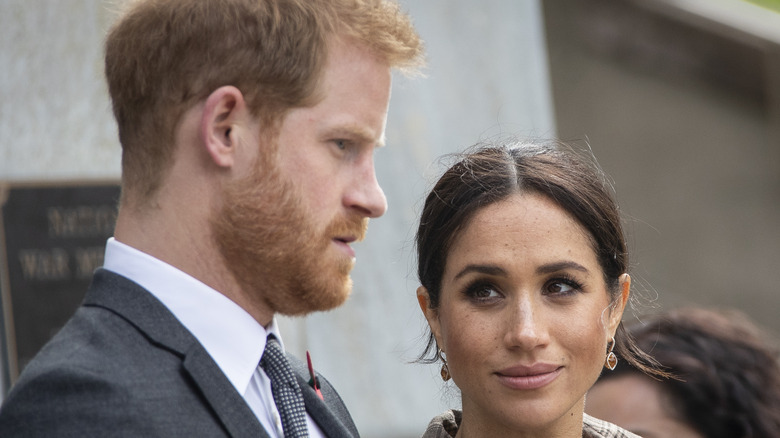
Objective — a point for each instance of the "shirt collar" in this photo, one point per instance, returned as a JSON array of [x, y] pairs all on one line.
[[229, 334]]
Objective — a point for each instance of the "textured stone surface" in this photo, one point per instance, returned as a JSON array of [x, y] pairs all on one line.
[[694, 154], [55, 117]]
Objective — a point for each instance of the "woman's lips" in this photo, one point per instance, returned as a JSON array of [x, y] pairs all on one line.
[[529, 377]]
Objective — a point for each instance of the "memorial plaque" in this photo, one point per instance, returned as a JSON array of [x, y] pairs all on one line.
[[52, 238]]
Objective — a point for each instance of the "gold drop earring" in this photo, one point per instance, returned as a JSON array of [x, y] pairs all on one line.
[[612, 360], [445, 370]]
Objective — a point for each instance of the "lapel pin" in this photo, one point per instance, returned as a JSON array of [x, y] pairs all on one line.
[[313, 381]]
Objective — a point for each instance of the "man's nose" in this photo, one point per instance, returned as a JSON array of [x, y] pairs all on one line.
[[365, 194]]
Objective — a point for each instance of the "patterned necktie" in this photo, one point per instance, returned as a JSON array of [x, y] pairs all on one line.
[[284, 386]]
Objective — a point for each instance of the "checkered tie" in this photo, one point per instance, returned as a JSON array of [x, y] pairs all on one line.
[[284, 386]]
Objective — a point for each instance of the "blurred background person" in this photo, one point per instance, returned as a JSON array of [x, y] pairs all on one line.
[[728, 379]]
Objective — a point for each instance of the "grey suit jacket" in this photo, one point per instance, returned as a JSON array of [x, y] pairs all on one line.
[[123, 366]]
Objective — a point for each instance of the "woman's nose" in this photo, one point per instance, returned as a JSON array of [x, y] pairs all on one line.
[[526, 327]]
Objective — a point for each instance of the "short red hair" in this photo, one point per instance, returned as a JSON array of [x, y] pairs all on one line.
[[164, 56]]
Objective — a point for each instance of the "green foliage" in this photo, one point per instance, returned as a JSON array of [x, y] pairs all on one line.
[[769, 4]]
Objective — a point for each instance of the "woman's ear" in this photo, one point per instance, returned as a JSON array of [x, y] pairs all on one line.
[[431, 314], [222, 111], [618, 306]]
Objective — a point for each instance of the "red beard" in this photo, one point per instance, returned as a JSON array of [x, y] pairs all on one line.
[[280, 259]]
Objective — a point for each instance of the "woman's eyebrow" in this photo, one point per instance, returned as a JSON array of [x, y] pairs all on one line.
[[561, 266], [482, 269]]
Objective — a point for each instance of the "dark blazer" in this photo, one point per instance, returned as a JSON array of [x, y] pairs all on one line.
[[123, 366]]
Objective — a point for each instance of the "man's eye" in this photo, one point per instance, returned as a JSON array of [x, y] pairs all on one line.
[[341, 144]]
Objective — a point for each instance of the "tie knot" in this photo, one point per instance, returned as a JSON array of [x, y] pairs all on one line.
[[276, 365], [285, 389], [273, 351]]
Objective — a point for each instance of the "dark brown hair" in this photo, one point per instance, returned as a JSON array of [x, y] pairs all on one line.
[[729, 375], [163, 56], [490, 173]]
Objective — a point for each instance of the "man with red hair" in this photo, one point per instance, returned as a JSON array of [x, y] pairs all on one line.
[[248, 130]]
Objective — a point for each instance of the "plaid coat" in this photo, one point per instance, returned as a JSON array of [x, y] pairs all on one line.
[[446, 426]]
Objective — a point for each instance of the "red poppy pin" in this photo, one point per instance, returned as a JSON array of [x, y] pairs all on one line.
[[313, 382]]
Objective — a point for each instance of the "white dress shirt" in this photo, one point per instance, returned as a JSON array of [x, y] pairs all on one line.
[[231, 336]]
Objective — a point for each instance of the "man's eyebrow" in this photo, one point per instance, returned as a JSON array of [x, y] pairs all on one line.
[[355, 132], [482, 269]]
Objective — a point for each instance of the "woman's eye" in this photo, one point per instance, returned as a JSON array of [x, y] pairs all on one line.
[[562, 287], [482, 292]]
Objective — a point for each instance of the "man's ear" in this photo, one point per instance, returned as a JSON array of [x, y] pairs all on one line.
[[222, 111], [431, 315], [619, 305]]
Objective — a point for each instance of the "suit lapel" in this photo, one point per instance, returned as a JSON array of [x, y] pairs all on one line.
[[319, 411], [325, 411], [150, 316], [231, 408]]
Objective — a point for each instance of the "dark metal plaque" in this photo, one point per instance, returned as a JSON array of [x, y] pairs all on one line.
[[52, 238]]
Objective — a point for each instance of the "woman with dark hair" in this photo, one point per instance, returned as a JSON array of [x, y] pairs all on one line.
[[523, 270], [727, 386]]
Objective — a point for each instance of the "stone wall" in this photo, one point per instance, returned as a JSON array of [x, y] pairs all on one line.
[[680, 103]]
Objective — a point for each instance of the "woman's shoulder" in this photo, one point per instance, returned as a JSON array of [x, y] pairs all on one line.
[[444, 425], [594, 428]]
